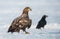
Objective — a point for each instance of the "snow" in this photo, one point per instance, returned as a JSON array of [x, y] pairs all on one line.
[[9, 9], [48, 32]]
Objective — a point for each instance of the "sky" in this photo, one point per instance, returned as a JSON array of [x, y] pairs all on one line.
[[10, 9]]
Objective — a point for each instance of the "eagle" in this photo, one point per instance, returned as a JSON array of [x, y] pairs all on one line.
[[22, 22], [42, 22]]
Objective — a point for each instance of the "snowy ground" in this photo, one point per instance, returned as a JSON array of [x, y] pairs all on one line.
[[48, 33]]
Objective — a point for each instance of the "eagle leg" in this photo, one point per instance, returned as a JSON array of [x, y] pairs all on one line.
[[26, 31]]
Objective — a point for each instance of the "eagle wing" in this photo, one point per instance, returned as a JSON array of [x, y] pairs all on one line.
[[25, 23], [30, 23], [14, 27]]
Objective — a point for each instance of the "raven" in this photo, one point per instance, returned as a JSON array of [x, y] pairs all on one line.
[[42, 22]]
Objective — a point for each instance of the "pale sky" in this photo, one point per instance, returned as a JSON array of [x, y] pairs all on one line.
[[10, 9]]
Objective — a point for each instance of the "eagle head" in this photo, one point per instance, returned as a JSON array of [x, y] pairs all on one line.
[[27, 9]]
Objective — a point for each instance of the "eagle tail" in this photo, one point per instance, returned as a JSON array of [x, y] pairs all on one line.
[[14, 29], [10, 29]]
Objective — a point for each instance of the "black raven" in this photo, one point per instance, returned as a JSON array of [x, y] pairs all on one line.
[[42, 22]]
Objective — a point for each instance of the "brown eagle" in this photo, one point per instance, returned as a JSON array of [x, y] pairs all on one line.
[[22, 22]]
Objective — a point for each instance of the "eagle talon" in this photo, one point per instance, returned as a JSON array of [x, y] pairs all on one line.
[[27, 33]]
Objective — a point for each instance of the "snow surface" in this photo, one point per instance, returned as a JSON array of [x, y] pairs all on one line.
[[47, 33]]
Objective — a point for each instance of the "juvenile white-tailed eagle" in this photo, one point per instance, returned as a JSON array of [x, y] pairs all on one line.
[[22, 22]]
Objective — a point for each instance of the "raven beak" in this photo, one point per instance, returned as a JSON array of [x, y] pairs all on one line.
[[46, 16]]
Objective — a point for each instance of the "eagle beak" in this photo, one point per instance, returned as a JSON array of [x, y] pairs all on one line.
[[30, 9]]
